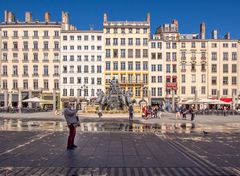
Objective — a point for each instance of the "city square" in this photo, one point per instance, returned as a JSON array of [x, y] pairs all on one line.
[[125, 88]]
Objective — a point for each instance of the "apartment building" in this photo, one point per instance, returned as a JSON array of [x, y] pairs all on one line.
[[30, 59], [82, 65], [126, 57]]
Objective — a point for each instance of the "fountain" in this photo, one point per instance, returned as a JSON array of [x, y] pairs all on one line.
[[115, 100]]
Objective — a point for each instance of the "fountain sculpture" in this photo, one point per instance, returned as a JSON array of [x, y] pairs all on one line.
[[114, 98]]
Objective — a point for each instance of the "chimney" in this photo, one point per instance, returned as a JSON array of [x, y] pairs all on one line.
[[176, 23], [214, 34], [227, 36], [5, 16], [148, 18], [65, 20], [105, 18], [47, 17], [9, 17], [28, 17], [202, 31]]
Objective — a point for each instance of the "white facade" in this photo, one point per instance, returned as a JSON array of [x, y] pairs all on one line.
[[82, 65]]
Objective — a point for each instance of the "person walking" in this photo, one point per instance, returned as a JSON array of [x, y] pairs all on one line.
[[192, 113], [178, 112], [72, 122], [130, 110]]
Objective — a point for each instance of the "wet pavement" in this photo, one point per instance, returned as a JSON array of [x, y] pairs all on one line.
[[116, 147], [119, 153]]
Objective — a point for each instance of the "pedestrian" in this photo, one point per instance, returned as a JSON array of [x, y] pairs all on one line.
[[192, 113], [72, 122], [184, 112], [178, 112], [99, 112], [224, 111], [131, 111]]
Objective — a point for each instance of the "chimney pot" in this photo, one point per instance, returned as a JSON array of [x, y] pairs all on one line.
[[28, 17], [47, 17]]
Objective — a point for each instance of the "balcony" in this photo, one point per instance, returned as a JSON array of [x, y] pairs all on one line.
[[35, 74], [183, 70], [56, 74], [4, 75], [183, 58], [193, 58], [203, 70], [35, 60], [193, 70], [25, 75], [203, 58], [171, 85], [14, 75]]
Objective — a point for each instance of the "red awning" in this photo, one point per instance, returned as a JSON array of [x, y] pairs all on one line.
[[168, 76], [174, 76], [226, 99]]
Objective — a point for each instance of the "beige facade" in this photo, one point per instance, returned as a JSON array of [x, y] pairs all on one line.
[[126, 58], [30, 58]]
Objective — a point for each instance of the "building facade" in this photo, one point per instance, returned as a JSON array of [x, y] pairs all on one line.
[[82, 65], [30, 59], [126, 58]]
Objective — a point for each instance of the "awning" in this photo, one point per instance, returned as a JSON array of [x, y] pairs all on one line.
[[228, 100], [174, 76], [168, 76]]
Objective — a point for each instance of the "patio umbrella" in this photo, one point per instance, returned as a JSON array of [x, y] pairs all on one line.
[[206, 101], [36, 100], [219, 102]]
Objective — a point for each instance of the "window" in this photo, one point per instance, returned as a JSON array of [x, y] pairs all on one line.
[[122, 41], [130, 41], [225, 45], [145, 53], [145, 65], [45, 33], [15, 33], [5, 45], [159, 67], [193, 78], [35, 70], [56, 33], [123, 66], [193, 89], [56, 45], [234, 80], [15, 45], [225, 91], [108, 65], [130, 65], [203, 90], [99, 81], [115, 30], [35, 45], [183, 45], [45, 84], [123, 53], [168, 68], [183, 55], [92, 37], [25, 70], [214, 80], [214, 92], [79, 37], [64, 80], [5, 34], [225, 56], [99, 38], [4, 84], [108, 41], [214, 56], [4, 70], [115, 41], [153, 90], [234, 55], [15, 70], [25, 84], [153, 45], [138, 41], [174, 56], [225, 80], [174, 68], [138, 66], [193, 45], [71, 92], [159, 55], [85, 37], [15, 84], [45, 70], [214, 68], [25, 45], [183, 78], [203, 67], [168, 56], [234, 45], [183, 90], [56, 70], [79, 80], [92, 69], [203, 45], [153, 67], [56, 84], [45, 56], [225, 68], [35, 84], [137, 31], [130, 53], [45, 45], [234, 68], [153, 55], [35, 56], [193, 67], [137, 53], [115, 53], [168, 45], [203, 55], [214, 45], [115, 65], [159, 79], [174, 45], [145, 30], [203, 78], [64, 92], [108, 53], [86, 69], [145, 41]]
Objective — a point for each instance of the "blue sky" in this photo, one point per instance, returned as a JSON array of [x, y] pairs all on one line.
[[222, 15]]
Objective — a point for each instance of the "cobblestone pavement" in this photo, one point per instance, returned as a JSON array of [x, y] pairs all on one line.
[[119, 153]]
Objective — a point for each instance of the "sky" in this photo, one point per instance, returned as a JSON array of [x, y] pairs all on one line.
[[222, 15]]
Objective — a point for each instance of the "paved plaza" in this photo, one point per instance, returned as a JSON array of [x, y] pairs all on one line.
[[36, 145]]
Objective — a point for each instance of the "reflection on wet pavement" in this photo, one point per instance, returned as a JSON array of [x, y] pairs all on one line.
[[32, 125], [101, 126]]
